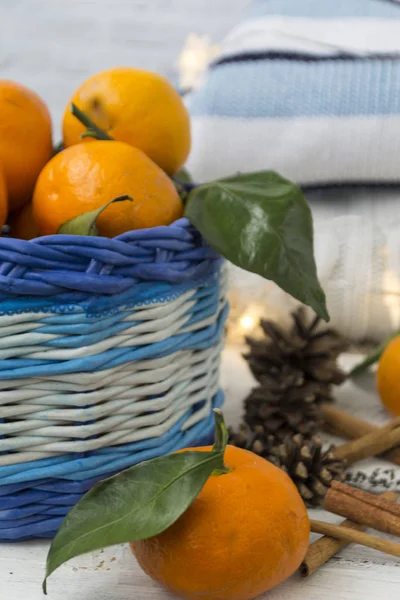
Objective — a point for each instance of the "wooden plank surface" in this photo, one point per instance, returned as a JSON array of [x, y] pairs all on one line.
[[112, 574]]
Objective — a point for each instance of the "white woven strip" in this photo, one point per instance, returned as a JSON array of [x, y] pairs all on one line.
[[116, 422], [7, 330], [162, 376], [110, 400], [86, 381], [123, 429]]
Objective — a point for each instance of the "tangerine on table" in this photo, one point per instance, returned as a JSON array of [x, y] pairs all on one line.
[[246, 532], [137, 107], [87, 176], [388, 376], [25, 140]]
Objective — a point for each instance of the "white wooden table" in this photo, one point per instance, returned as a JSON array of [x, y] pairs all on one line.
[[112, 574]]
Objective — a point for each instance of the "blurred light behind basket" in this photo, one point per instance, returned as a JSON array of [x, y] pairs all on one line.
[[109, 355]]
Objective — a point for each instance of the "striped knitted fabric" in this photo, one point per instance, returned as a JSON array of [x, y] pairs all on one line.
[[311, 88]]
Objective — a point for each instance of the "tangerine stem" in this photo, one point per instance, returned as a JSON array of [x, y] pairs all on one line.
[[221, 440], [373, 357], [92, 129]]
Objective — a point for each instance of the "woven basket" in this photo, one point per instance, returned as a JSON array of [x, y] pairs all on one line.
[[109, 355]]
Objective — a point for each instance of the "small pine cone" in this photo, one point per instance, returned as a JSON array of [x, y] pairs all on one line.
[[311, 468], [256, 441]]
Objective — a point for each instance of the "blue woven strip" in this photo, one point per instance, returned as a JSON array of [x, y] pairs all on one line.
[[141, 294], [82, 323], [52, 265], [21, 499], [22, 512], [31, 512], [27, 522], [6, 490], [45, 529], [202, 308], [205, 338]]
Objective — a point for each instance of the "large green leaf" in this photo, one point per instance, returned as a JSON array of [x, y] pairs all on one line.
[[262, 223], [133, 505]]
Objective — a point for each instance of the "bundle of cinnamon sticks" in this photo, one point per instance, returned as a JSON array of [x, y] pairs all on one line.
[[361, 509]]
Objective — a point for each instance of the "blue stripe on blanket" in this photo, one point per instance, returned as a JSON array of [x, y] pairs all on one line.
[[249, 56], [336, 9], [284, 89]]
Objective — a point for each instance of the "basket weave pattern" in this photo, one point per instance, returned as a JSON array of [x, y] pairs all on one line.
[[109, 355]]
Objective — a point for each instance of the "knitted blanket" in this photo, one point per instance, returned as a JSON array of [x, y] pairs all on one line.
[[311, 88]]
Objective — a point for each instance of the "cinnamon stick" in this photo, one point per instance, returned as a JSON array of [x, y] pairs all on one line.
[[362, 507], [345, 425], [320, 551], [357, 537], [371, 444]]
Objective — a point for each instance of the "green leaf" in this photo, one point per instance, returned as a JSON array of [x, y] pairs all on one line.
[[138, 503], [372, 358], [262, 223], [183, 184], [85, 224], [184, 176]]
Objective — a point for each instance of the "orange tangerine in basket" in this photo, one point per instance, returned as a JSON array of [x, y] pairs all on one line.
[[137, 107], [25, 140], [3, 199], [87, 176]]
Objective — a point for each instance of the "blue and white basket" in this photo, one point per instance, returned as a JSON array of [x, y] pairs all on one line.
[[109, 355]]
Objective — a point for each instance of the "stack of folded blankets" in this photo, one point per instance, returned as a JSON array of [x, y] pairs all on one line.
[[311, 88]]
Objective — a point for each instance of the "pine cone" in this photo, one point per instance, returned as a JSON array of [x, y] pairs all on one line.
[[282, 414], [296, 371], [255, 440], [311, 469]]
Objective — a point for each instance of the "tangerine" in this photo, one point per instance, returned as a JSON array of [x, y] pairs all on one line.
[[137, 107], [3, 199], [246, 532], [87, 176], [388, 376], [25, 140]]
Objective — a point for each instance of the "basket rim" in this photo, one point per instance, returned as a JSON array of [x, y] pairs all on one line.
[[128, 236], [94, 265]]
